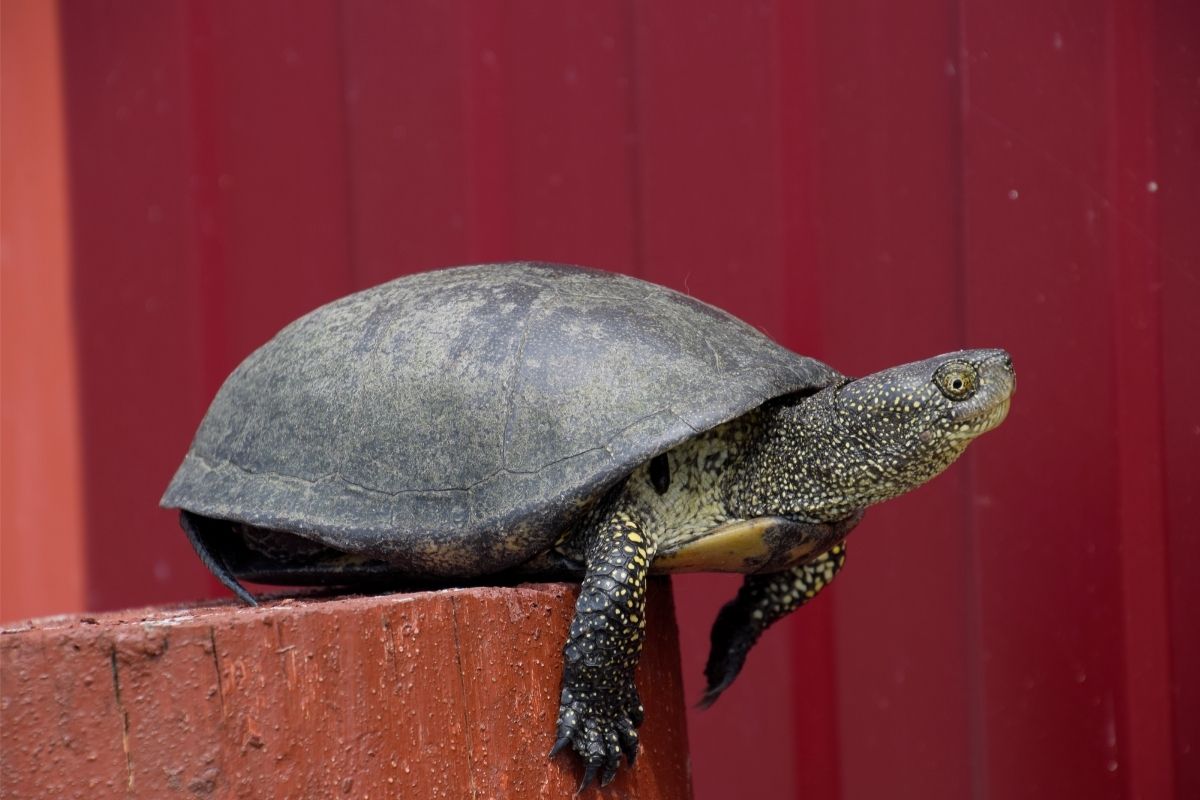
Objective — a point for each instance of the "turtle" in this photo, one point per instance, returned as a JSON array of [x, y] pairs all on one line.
[[534, 419]]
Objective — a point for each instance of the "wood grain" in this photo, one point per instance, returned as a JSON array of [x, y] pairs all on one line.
[[433, 694]]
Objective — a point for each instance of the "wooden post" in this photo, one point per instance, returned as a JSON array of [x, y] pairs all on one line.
[[433, 694]]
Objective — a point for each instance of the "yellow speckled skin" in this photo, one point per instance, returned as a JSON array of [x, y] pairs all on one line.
[[771, 494], [527, 419]]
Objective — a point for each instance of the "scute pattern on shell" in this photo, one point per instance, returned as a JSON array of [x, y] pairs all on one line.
[[453, 422]]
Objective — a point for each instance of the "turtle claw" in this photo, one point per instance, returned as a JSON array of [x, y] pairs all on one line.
[[629, 745], [599, 732], [610, 772], [588, 775], [733, 634], [720, 677]]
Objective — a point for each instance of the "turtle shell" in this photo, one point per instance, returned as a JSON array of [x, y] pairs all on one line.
[[455, 422]]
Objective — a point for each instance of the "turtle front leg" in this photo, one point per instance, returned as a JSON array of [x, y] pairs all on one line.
[[761, 601], [599, 710]]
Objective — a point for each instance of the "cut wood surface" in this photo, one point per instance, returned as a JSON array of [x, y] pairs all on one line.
[[440, 694]]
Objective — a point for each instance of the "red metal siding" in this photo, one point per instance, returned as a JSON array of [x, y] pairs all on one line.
[[138, 301], [1174, 240], [1046, 220], [866, 182], [710, 198], [888, 241]]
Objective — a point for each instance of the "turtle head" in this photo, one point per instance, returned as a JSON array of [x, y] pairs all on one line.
[[912, 421], [827, 456]]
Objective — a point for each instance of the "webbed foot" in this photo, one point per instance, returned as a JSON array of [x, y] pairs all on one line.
[[733, 634], [762, 600], [599, 709], [600, 726]]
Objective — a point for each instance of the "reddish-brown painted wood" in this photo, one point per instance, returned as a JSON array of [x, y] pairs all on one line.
[[435, 694]]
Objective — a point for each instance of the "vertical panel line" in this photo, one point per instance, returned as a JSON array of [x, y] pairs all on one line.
[[42, 526], [1144, 751], [491, 228], [206, 221], [973, 567], [817, 769], [634, 143], [344, 82]]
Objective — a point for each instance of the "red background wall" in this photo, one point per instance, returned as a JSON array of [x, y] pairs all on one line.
[[869, 182]]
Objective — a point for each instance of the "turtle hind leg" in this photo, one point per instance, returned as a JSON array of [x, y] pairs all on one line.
[[194, 526], [599, 709], [761, 601]]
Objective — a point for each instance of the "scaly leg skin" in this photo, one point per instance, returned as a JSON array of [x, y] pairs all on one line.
[[761, 601], [599, 711]]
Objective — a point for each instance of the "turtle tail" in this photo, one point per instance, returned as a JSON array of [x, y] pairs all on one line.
[[195, 527]]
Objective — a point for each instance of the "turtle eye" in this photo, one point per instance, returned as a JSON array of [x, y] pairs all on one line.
[[957, 380]]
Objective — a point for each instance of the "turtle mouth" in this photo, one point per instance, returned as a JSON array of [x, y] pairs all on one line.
[[991, 406], [987, 418], [982, 417]]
